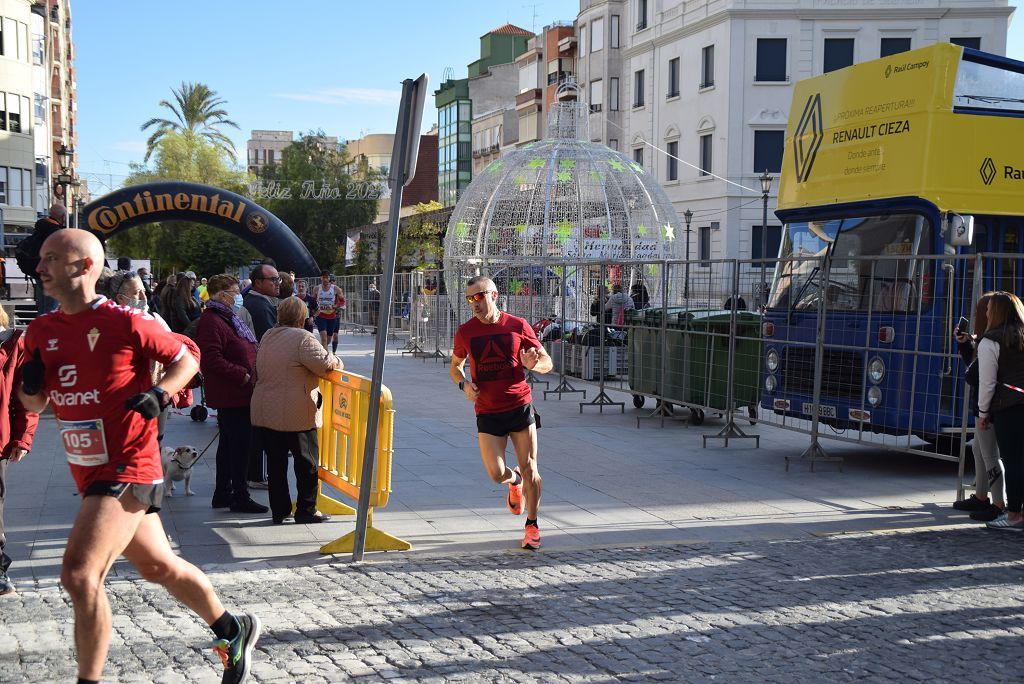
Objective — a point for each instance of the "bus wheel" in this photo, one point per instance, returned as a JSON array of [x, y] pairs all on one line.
[[696, 416], [638, 400]]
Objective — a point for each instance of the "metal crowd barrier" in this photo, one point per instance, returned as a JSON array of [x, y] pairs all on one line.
[[346, 399]]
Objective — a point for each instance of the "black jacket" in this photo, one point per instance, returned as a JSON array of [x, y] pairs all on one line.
[[263, 311]]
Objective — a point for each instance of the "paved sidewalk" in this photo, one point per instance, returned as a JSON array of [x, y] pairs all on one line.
[[606, 482], [661, 561]]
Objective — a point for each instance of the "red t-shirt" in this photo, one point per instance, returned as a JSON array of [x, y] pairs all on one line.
[[95, 361], [493, 352]]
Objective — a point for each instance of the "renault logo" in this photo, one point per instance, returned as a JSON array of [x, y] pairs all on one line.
[[807, 138], [988, 171]]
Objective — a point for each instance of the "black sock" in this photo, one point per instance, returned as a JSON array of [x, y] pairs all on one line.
[[334, 346], [82, 680], [518, 480], [531, 521], [226, 626]]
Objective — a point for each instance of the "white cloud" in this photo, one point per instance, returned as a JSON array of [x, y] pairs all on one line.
[[130, 146], [346, 96]]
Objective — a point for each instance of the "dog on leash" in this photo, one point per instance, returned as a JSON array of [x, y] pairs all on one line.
[[178, 466]]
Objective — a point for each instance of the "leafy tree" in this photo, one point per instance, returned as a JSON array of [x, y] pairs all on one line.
[[419, 239], [180, 244], [316, 179], [198, 114]]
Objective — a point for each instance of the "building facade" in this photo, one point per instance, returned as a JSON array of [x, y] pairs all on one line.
[[699, 92], [265, 147], [455, 107], [548, 62], [37, 107]]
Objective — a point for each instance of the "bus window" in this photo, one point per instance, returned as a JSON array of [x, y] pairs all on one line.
[[855, 283]]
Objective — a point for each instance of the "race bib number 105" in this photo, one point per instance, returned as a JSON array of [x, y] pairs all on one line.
[[84, 442]]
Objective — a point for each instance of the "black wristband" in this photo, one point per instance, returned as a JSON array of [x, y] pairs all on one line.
[[462, 385]]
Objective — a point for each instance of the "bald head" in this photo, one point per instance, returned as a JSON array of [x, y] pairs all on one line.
[[71, 261]]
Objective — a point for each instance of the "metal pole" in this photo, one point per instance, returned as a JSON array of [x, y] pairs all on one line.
[[763, 297], [687, 216], [405, 115]]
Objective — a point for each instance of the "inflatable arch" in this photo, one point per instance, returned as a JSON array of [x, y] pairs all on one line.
[[180, 201]]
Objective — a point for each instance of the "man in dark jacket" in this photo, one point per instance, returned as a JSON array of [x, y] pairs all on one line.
[[261, 303], [261, 300]]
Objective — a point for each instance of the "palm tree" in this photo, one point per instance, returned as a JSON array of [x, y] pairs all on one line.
[[198, 112]]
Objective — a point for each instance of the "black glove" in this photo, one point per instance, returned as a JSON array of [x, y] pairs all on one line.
[[33, 373], [146, 404]]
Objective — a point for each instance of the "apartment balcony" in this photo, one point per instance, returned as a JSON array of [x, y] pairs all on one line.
[[530, 98], [567, 44], [567, 95]]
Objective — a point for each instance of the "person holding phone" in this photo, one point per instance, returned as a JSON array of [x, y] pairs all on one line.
[[988, 467]]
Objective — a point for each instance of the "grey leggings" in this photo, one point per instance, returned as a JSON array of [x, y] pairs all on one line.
[[988, 468]]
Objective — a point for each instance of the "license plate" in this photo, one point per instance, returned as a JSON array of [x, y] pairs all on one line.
[[823, 411]]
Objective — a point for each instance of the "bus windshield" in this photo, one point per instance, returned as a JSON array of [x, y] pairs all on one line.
[[857, 280]]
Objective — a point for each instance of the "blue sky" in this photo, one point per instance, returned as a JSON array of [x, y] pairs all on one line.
[[334, 64]]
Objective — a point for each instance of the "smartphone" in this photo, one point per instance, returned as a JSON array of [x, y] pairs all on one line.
[[963, 325]]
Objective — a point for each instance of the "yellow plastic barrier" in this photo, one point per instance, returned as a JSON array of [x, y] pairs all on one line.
[[342, 439]]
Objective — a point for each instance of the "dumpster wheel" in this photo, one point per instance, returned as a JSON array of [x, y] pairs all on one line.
[[696, 416], [638, 400]]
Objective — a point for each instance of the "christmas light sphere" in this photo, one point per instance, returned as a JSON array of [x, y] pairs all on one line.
[[554, 211]]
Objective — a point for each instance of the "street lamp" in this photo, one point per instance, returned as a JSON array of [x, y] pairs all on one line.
[[65, 179], [687, 217], [766, 188]]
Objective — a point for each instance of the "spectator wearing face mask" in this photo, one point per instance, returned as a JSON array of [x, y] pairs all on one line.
[[228, 363]]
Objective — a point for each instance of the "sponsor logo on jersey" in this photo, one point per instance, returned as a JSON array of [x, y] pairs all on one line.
[[93, 337], [67, 375], [71, 399], [51, 345]]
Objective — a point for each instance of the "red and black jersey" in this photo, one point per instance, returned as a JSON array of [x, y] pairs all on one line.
[[95, 361], [493, 352]]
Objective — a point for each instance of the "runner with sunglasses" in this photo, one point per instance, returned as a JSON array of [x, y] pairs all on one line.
[[500, 348]]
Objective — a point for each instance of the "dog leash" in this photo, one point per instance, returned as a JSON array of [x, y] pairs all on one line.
[[200, 453]]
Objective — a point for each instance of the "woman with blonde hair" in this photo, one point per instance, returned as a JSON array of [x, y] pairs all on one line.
[[988, 468], [1001, 398], [286, 408]]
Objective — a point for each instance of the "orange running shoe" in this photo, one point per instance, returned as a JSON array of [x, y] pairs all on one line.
[[531, 540], [515, 495]]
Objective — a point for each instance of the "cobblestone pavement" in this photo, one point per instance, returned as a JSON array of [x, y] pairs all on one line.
[[934, 605]]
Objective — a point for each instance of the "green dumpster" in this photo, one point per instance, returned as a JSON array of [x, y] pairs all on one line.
[[707, 366], [645, 350]]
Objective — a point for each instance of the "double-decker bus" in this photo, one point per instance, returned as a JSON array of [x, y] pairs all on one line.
[[897, 174]]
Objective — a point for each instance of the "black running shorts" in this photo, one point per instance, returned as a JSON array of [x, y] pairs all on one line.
[[501, 424], [151, 495]]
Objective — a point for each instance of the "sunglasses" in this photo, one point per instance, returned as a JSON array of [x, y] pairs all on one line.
[[479, 296]]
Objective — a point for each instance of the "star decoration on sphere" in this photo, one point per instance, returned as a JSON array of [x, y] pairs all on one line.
[[636, 167], [596, 175], [536, 163], [567, 164], [516, 286], [641, 230], [652, 269], [519, 180], [461, 229], [563, 176], [563, 231], [521, 228], [495, 166], [494, 236], [670, 232], [616, 164]]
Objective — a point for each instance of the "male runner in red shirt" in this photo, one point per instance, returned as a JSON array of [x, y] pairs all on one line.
[[500, 346], [90, 359]]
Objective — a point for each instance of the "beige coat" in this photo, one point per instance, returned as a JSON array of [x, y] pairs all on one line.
[[289, 365]]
